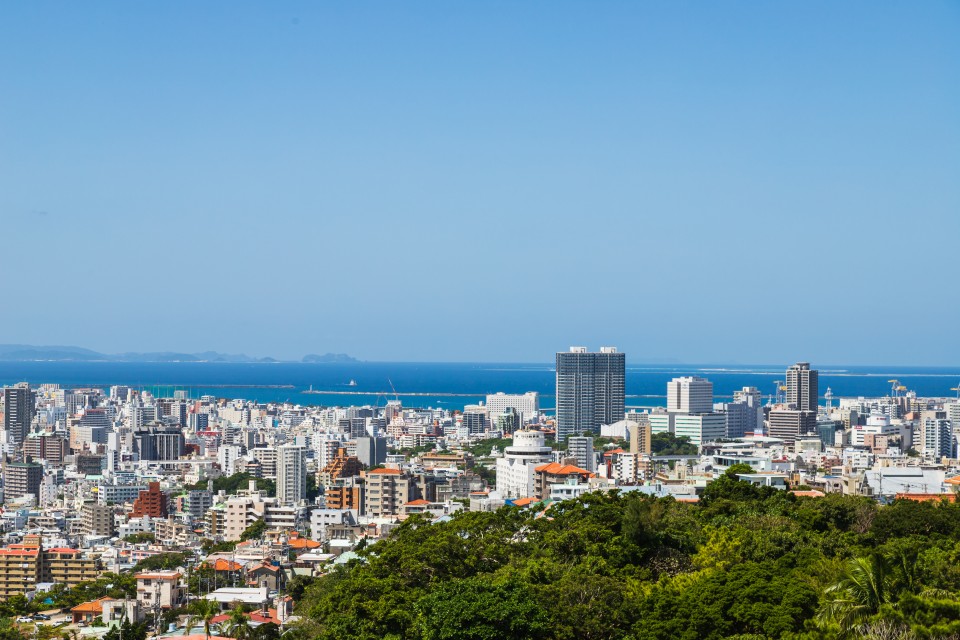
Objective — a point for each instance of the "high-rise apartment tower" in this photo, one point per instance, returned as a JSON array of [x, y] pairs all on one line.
[[590, 388]]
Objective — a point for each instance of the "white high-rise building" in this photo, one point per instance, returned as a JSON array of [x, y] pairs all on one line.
[[527, 405], [515, 470], [291, 474], [700, 427], [227, 456], [690, 394]]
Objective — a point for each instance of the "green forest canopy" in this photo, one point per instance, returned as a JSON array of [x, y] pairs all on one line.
[[744, 562]]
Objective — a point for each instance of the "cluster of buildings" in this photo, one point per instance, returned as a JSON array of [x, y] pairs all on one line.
[[97, 480]]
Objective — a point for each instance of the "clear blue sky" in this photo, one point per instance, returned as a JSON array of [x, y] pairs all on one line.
[[705, 181]]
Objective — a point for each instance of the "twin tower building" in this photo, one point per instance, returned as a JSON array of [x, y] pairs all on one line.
[[590, 389]]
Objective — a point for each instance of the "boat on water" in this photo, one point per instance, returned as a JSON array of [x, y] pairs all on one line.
[[352, 383]]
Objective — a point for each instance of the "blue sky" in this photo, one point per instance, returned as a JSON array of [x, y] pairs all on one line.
[[706, 182]]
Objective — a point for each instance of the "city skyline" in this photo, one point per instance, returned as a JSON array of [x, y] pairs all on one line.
[[315, 178]]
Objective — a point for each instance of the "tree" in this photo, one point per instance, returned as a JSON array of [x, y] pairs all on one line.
[[254, 531], [127, 631], [481, 608], [865, 587], [202, 610], [161, 562], [238, 626]]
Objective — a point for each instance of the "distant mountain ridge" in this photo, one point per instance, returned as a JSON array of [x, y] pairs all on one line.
[[26, 352]]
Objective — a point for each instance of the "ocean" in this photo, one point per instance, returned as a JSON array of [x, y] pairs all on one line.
[[444, 385]]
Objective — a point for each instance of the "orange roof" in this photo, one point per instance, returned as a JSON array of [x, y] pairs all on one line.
[[557, 469], [523, 502], [222, 564], [303, 543], [94, 606], [392, 472], [418, 503], [953, 480], [927, 497], [613, 451], [19, 552], [812, 493], [63, 550]]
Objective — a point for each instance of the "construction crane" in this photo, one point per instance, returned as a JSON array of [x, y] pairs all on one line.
[[894, 388], [780, 389]]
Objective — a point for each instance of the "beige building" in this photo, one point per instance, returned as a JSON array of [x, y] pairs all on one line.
[[97, 519], [387, 491], [160, 589]]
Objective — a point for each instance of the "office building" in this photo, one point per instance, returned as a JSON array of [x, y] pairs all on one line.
[[937, 435], [474, 420], [581, 449], [802, 387], [590, 390], [21, 479], [700, 427], [18, 407], [291, 474], [790, 424], [690, 394], [526, 405], [372, 451]]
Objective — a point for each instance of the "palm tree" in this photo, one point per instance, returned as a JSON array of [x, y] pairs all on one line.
[[867, 584], [238, 626], [205, 610]]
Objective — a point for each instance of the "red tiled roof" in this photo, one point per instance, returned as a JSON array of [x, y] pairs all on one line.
[[94, 606], [304, 543], [226, 565], [392, 472], [557, 469], [927, 497], [418, 503]]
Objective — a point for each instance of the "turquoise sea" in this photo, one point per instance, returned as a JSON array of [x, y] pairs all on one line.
[[447, 385]]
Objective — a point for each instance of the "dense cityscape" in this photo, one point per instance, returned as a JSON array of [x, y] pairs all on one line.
[[129, 513]]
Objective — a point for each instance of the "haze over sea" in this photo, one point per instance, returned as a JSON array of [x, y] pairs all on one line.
[[445, 385]]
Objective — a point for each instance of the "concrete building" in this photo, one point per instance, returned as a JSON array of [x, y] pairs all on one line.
[[790, 424], [152, 502], [97, 520], [372, 451], [515, 470], [700, 427], [938, 438], [690, 394], [291, 474], [590, 390], [18, 407], [641, 433], [802, 387], [387, 491], [21, 479], [526, 405], [580, 448]]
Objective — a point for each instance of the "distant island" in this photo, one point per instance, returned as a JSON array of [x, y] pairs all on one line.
[[329, 358], [33, 353]]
